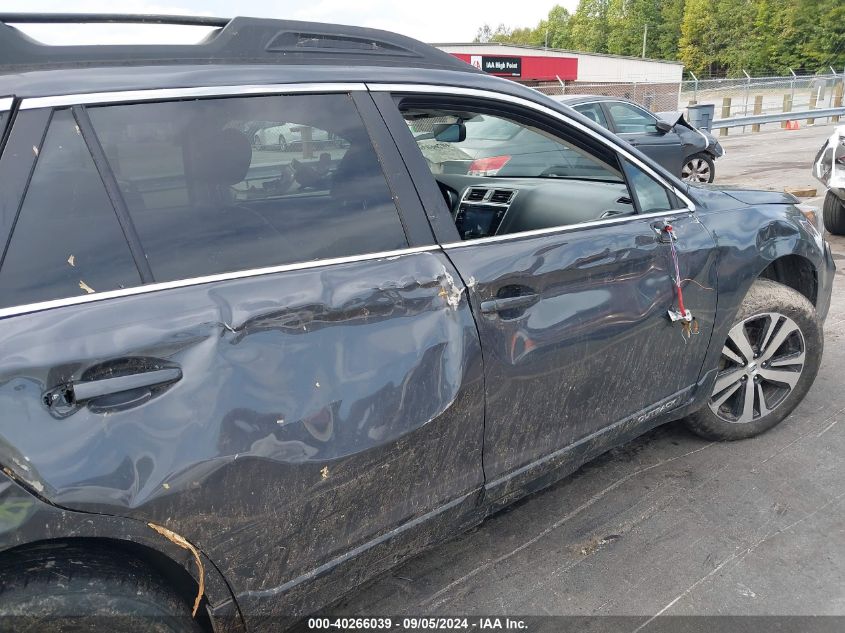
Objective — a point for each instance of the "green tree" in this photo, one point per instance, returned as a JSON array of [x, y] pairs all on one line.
[[663, 44], [698, 45], [588, 26], [626, 23], [709, 36], [486, 34], [555, 29]]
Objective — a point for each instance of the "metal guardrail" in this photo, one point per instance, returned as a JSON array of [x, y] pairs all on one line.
[[776, 117]]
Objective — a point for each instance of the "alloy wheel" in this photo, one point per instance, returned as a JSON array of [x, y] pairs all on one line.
[[761, 363], [696, 170]]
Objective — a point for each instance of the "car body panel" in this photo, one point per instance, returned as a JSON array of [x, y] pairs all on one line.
[[29, 520], [312, 402], [548, 380], [748, 239], [316, 403]]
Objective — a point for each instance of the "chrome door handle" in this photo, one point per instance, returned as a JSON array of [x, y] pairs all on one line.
[[508, 303], [84, 391]]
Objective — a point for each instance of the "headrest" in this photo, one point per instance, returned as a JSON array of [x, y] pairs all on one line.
[[221, 158]]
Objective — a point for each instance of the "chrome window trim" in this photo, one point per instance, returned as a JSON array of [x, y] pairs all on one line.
[[197, 281], [161, 94], [565, 228], [6, 104], [498, 96]]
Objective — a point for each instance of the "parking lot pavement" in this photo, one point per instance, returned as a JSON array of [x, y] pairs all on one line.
[[774, 159], [669, 523]]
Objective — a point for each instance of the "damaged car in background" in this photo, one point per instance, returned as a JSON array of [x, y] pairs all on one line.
[[666, 137], [238, 382], [829, 169]]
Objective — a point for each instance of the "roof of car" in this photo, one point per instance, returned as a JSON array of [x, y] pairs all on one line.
[[240, 40]]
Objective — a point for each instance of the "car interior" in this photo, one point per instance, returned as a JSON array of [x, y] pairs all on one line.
[[527, 179], [209, 190]]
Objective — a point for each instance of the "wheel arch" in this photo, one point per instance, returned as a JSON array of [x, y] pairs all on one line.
[[796, 272], [35, 523], [781, 248], [166, 568]]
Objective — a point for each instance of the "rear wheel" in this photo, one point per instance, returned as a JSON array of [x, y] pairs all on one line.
[[833, 214], [68, 588], [699, 168], [767, 365]]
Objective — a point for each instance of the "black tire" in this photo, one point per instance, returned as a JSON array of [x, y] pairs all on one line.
[[833, 214], [283, 144], [63, 587], [699, 168], [770, 359]]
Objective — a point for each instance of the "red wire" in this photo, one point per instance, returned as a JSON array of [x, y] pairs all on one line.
[[680, 292]]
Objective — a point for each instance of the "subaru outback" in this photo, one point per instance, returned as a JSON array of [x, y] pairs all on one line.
[[239, 379]]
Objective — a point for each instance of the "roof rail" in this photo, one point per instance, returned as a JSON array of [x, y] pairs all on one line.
[[241, 40], [110, 18]]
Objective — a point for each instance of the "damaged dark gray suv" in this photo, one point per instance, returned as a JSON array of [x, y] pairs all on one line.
[[239, 378]]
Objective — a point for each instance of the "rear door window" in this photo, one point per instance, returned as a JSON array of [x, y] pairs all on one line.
[[594, 112], [66, 241], [220, 185]]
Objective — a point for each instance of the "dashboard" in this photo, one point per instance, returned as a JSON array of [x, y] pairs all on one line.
[[483, 207]]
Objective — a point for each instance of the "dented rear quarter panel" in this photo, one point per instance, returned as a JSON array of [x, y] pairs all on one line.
[[313, 408]]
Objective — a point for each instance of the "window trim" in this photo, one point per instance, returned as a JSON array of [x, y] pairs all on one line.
[[198, 281], [46, 106], [112, 188], [6, 103], [452, 91], [172, 94]]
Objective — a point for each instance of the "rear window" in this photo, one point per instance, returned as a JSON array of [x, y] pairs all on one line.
[[221, 185], [67, 240]]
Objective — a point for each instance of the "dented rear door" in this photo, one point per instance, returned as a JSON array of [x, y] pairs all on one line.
[[284, 419]]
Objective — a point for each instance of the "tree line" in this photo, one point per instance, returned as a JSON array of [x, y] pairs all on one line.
[[711, 37]]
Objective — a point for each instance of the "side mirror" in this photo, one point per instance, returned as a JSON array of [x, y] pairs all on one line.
[[450, 132], [663, 127]]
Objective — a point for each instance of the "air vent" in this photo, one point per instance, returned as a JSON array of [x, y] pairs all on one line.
[[501, 196], [475, 195]]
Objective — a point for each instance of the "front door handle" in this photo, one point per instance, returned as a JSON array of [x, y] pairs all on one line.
[[508, 303], [661, 234], [83, 391]]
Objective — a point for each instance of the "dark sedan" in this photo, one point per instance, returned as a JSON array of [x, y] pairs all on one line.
[[666, 137]]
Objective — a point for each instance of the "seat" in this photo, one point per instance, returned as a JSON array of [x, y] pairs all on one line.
[[215, 233]]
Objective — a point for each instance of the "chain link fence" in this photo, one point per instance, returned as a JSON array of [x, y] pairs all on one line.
[[764, 95], [734, 97], [657, 97]]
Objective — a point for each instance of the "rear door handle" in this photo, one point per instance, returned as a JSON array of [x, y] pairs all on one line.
[[89, 390], [508, 303]]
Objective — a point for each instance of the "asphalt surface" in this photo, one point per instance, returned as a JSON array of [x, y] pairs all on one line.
[[669, 524]]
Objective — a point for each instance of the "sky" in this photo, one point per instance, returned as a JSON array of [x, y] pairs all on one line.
[[429, 20]]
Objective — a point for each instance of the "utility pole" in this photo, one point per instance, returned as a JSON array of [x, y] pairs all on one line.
[[645, 37]]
